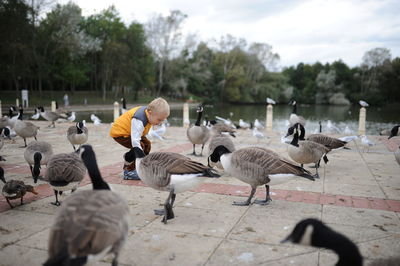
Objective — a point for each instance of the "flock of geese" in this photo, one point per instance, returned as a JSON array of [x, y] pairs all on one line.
[[92, 223]]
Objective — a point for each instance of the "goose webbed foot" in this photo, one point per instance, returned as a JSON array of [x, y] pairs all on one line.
[[57, 203], [263, 202], [159, 212], [241, 203], [316, 176]]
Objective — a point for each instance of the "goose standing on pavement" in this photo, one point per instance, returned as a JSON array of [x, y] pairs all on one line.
[[78, 134], [25, 129], [172, 172], [49, 116], [37, 153], [14, 189], [90, 224], [312, 232], [197, 133], [294, 118], [257, 166], [305, 152], [64, 172]]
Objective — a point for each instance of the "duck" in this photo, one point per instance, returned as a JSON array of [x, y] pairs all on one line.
[[197, 133], [49, 116], [14, 189], [257, 166], [25, 129], [37, 153], [64, 172], [78, 134], [90, 223], [313, 232], [294, 118], [395, 131], [172, 172], [306, 151]]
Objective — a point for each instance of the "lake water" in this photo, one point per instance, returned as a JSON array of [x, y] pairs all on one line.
[[341, 116]]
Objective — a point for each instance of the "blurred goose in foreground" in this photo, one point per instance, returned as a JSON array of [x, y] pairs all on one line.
[[305, 152], [64, 172], [172, 172], [90, 224], [25, 129], [37, 153], [257, 166], [294, 118], [312, 232], [197, 133], [78, 134], [14, 189]]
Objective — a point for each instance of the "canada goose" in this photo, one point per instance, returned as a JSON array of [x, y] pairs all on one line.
[[78, 134], [220, 128], [37, 153], [294, 118], [36, 115], [5, 132], [257, 166], [395, 131], [8, 121], [64, 172], [90, 224], [123, 108], [305, 152], [49, 115], [312, 232], [198, 134], [397, 155], [14, 189], [329, 142], [25, 129], [173, 172]]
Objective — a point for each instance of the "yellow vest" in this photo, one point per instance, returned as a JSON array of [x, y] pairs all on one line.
[[122, 126]]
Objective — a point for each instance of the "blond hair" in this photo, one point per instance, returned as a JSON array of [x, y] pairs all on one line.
[[159, 105]]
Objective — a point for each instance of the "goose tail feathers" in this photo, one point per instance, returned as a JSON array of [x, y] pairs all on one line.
[[209, 172]]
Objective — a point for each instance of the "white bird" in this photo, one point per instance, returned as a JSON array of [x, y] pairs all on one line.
[[97, 122], [258, 125], [226, 121], [93, 117], [259, 135], [270, 101], [72, 117], [348, 131], [363, 103], [331, 128], [366, 142], [36, 115], [243, 124], [348, 138], [159, 132]]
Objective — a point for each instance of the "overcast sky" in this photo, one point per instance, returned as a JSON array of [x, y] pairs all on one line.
[[299, 31]]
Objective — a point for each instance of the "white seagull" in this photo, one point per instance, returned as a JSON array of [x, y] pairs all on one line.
[[270, 101], [363, 103]]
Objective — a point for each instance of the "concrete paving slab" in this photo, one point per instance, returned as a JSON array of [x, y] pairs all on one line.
[[18, 256]]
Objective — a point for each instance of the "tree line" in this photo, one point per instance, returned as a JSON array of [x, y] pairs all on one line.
[[62, 50]]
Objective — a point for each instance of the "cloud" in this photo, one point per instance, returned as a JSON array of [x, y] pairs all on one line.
[[300, 31]]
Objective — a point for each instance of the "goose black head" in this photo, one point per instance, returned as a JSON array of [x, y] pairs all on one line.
[[199, 109], [290, 131], [79, 127], [2, 178], [394, 132], [217, 153], [303, 232], [37, 157]]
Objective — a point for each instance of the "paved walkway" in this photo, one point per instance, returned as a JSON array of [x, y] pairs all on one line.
[[358, 194]]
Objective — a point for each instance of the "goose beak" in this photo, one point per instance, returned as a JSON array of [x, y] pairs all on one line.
[[287, 239]]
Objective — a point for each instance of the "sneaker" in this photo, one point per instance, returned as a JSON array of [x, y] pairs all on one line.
[[131, 175]]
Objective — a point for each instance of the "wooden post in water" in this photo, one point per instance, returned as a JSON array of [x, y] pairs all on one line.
[[17, 102], [268, 122], [186, 121], [361, 122], [116, 110], [53, 106]]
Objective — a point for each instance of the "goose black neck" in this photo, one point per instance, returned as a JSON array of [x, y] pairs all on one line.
[[2, 175], [79, 128], [295, 140], [89, 159], [199, 114], [218, 152], [37, 157], [302, 132], [21, 113], [138, 152], [294, 111], [346, 250], [124, 103]]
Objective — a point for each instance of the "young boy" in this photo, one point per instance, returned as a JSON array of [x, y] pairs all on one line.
[[130, 130]]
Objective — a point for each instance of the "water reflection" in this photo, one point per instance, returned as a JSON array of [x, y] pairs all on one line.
[[341, 116]]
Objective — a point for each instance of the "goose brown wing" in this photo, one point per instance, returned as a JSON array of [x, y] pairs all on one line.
[[330, 142]]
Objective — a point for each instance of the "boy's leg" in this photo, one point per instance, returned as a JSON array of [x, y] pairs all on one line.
[[129, 159]]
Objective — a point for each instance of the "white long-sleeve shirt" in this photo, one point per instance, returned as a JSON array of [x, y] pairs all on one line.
[[137, 129]]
